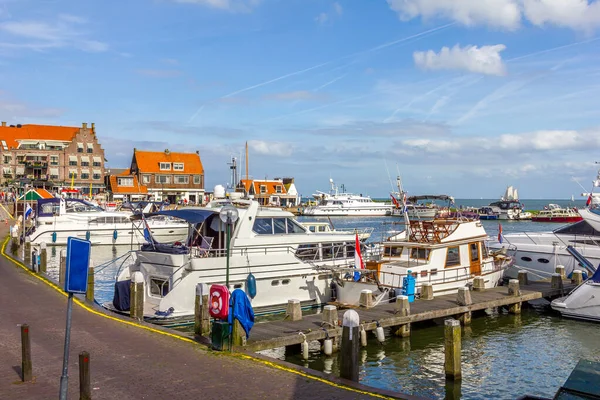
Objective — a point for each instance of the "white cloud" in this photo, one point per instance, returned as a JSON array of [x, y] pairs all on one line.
[[277, 149], [321, 18], [482, 60], [337, 7], [325, 17], [496, 13], [226, 5], [582, 15]]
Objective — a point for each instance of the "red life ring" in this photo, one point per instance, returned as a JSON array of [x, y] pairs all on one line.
[[219, 301]]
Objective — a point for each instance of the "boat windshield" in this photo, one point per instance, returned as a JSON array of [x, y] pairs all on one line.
[[80, 206], [578, 228]]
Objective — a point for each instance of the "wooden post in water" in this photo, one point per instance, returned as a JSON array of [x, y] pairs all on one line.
[[85, 389], [136, 296], [557, 282], [464, 299], [577, 277], [293, 311], [366, 298], [350, 346], [27, 254], [26, 367], [62, 267], [560, 269], [452, 349], [201, 314], [478, 284], [330, 317], [89, 294], [523, 278], [514, 290], [427, 291], [403, 309], [43, 258]]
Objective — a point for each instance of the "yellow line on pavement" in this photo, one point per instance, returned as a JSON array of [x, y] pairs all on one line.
[[6, 211]]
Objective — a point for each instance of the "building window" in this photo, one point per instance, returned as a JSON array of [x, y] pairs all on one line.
[[197, 179], [53, 177], [90, 147], [53, 160], [263, 188], [178, 166], [182, 179], [125, 181], [163, 179], [165, 166], [7, 159], [278, 189], [73, 175], [85, 175], [97, 162], [145, 178], [80, 147], [96, 176], [85, 163], [73, 163], [7, 172]]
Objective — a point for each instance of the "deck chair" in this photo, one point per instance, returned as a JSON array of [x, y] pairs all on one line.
[[204, 247]]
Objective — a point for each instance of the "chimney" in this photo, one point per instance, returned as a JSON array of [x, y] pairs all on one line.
[[93, 127], [167, 151], [198, 152], [84, 125], [3, 123]]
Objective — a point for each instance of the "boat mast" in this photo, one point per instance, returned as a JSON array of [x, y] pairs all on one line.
[[402, 195]]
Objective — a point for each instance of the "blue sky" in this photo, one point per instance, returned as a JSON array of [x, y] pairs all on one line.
[[460, 97]]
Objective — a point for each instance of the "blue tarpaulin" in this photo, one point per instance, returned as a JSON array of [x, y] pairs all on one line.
[[241, 309]]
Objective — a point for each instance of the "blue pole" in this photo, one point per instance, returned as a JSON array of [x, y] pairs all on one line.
[[64, 379]]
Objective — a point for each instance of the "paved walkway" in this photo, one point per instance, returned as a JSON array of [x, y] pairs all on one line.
[[128, 362]]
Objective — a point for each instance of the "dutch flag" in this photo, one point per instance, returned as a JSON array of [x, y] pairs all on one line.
[[28, 211]]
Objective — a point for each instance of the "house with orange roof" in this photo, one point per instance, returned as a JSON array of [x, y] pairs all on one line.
[[51, 156], [125, 186], [170, 175], [271, 192]]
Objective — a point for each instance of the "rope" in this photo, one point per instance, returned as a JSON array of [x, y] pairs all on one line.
[[104, 265]]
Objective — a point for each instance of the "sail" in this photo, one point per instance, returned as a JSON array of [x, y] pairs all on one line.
[[515, 195]]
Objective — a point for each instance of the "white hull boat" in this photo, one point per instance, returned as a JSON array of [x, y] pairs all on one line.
[[583, 302]]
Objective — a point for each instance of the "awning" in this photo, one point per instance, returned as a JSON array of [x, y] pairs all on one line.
[[80, 145], [73, 158], [7, 170], [85, 171], [72, 172], [97, 171], [85, 159], [90, 145], [97, 159], [20, 169], [54, 171]]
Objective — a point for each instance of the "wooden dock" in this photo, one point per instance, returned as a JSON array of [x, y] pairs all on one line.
[[275, 334]]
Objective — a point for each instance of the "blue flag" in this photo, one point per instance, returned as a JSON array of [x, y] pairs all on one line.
[[28, 211]]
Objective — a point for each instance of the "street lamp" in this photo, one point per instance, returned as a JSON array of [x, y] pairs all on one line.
[[228, 214]]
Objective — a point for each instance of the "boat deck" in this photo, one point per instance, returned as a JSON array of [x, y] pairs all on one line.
[[269, 335]]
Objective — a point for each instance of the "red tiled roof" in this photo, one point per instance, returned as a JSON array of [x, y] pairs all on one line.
[[149, 162], [135, 189], [271, 186], [36, 132]]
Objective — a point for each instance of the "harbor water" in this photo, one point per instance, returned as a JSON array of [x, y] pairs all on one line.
[[503, 356]]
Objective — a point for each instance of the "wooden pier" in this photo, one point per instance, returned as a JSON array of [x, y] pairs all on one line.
[[275, 334]]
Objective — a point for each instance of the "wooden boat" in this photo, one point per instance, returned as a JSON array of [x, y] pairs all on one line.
[[554, 213]]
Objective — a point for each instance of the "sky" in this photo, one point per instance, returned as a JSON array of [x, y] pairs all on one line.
[[459, 97]]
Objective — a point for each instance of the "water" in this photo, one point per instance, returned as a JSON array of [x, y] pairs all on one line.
[[503, 356]]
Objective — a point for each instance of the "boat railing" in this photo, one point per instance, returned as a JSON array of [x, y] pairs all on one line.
[[360, 231], [395, 280]]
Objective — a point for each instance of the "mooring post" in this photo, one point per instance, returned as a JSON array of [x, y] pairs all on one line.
[[201, 313], [85, 390], [560, 269], [403, 309], [557, 282], [14, 247], [62, 267], [577, 277], [478, 284], [523, 278], [136, 296], [427, 291], [27, 254], [452, 349], [330, 317], [350, 346], [197, 310], [238, 333], [515, 291], [26, 367], [366, 298], [43, 258], [293, 311], [464, 299]]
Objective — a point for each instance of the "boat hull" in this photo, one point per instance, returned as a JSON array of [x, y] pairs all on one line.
[[557, 219], [582, 303]]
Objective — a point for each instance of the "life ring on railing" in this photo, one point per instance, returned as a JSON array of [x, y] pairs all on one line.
[[219, 301]]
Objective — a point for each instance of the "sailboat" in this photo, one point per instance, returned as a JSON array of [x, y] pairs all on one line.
[[510, 206]]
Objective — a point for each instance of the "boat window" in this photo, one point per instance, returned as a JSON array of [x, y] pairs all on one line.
[[159, 286], [338, 250], [528, 259], [420, 254], [393, 251], [578, 228], [332, 250], [322, 228], [452, 257], [474, 249], [543, 260], [484, 251], [279, 225], [308, 252], [433, 272], [294, 227], [311, 228], [350, 249], [262, 226]]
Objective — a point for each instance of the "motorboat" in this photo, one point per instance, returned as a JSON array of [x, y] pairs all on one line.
[[267, 242], [555, 213], [447, 253], [509, 206], [336, 203], [416, 210], [489, 213], [326, 227], [57, 219], [583, 302]]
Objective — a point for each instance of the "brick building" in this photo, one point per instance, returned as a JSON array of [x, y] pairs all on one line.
[[52, 156], [169, 175]]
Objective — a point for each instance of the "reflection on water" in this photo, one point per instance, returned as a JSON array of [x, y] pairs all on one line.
[[503, 357]]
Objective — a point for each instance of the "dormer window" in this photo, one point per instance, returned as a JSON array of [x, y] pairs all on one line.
[[165, 166], [278, 189], [178, 166], [128, 181], [263, 188]]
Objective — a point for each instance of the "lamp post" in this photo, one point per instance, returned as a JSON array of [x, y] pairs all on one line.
[[228, 214]]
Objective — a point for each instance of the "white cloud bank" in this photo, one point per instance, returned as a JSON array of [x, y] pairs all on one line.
[[225, 5], [581, 15], [482, 60]]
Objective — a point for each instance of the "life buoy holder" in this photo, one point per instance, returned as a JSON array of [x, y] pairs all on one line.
[[219, 302]]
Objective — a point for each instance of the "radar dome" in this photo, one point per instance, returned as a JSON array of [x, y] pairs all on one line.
[[219, 192]]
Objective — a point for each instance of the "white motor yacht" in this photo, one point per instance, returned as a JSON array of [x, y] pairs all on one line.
[[267, 242], [447, 253], [335, 203], [57, 219], [325, 227], [583, 302]]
